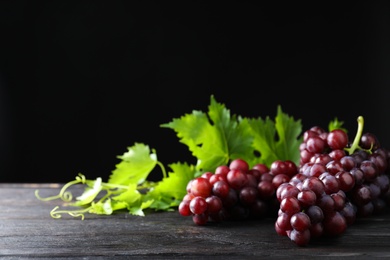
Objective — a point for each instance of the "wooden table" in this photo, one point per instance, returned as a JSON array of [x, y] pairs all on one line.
[[28, 231]]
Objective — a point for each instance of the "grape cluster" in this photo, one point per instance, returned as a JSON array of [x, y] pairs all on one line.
[[335, 182], [235, 192]]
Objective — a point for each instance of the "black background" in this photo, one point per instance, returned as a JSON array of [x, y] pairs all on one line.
[[82, 80]]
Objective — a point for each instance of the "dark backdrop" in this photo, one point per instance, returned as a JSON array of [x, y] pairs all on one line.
[[82, 80]]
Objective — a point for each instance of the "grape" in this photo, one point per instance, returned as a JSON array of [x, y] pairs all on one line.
[[221, 189], [198, 205], [214, 204], [184, 208], [337, 139], [201, 187], [236, 178], [265, 189], [248, 195], [239, 164], [301, 238], [307, 198], [334, 183]]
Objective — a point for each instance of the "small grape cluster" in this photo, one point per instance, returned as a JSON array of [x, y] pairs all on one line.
[[335, 182], [234, 192]]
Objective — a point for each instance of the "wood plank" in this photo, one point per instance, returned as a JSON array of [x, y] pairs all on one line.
[[28, 230]]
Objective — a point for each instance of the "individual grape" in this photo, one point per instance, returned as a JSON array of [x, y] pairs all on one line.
[[307, 134], [326, 203], [222, 169], [348, 162], [315, 214], [277, 180], [383, 182], [184, 208], [349, 213], [287, 190], [301, 238], [375, 190], [339, 201], [198, 205], [369, 169], [305, 156], [361, 195], [346, 180], [331, 184], [334, 167], [337, 139], [369, 141], [248, 195], [266, 190], [214, 204], [300, 221], [314, 184], [201, 187], [306, 198], [379, 161], [336, 154], [290, 205], [358, 175], [239, 164], [221, 189], [291, 168], [284, 221], [278, 167], [316, 144], [236, 178], [280, 231]]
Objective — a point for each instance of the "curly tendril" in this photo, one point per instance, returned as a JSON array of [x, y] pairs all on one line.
[[55, 213], [64, 194]]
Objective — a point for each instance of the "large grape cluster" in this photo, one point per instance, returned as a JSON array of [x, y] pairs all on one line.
[[335, 182]]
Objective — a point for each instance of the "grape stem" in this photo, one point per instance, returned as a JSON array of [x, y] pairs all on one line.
[[355, 144]]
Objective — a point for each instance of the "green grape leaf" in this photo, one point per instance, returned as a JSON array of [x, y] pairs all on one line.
[[135, 165], [289, 132], [130, 196], [213, 138], [336, 124]]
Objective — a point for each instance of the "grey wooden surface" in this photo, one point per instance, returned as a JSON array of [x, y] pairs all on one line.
[[28, 231]]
